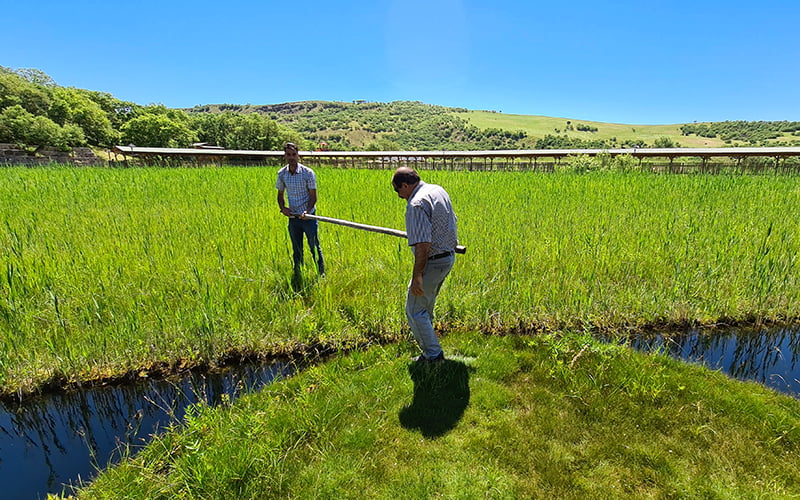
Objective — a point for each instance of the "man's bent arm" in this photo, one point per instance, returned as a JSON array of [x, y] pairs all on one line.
[[282, 204], [421, 251], [312, 200]]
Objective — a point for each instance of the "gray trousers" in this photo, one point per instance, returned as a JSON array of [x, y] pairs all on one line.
[[419, 309]]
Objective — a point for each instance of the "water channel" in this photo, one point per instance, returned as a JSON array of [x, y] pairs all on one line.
[[769, 356], [47, 442], [51, 441]]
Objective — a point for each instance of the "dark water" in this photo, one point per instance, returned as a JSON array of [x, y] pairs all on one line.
[[768, 356], [51, 441]]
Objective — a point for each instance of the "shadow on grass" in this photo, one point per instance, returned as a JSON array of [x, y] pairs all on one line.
[[303, 285], [441, 394]]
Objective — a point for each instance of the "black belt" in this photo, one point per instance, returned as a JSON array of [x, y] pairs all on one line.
[[440, 255]]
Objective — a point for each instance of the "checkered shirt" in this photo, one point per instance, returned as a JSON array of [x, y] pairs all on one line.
[[430, 218], [296, 187]]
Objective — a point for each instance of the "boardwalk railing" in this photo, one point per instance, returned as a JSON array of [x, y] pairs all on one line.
[[657, 159]]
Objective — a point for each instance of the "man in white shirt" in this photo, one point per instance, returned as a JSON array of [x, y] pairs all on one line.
[[300, 185]]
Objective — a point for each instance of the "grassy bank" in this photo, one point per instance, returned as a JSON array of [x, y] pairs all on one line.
[[506, 417], [113, 272]]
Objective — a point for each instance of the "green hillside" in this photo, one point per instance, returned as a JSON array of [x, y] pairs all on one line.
[[693, 135], [360, 125], [413, 125], [540, 126]]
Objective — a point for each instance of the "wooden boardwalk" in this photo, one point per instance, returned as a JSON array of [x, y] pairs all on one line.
[[518, 159]]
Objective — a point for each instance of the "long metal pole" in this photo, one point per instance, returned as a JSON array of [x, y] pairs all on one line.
[[374, 229]]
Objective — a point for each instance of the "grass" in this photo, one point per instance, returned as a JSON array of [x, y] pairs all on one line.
[[550, 416], [109, 273]]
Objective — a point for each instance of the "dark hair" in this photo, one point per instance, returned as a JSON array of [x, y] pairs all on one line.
[[290, 145], [409, 177]]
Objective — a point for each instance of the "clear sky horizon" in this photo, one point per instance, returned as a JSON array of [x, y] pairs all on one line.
[[632, 62]]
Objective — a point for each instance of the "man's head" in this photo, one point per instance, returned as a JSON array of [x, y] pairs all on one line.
[[290, 154], [404, 181]]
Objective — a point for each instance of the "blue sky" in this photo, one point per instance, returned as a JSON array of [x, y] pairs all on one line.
[[634, 62]]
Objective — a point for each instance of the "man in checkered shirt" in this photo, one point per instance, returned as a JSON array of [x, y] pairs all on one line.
[[431, 230], [300, 185]]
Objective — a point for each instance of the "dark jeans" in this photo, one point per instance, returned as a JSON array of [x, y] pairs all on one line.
[[298, 227]]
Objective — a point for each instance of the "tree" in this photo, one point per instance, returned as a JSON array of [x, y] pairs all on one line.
[[157, 130], [175, 115], [117, 111], [255, 132], [71, 135], [383, 144], [15, 90], [18, 126], [287, 134], [664, 142], [42, 131], [71, 105], [36, 77], [232, 130]]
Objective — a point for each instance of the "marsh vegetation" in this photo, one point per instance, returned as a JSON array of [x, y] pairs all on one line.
[[108, 272]]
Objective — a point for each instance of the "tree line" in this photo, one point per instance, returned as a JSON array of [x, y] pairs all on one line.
[[755, 133], [36, 112]]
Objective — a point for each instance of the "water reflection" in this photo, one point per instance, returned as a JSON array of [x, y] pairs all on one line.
[[50, 441], [768, 356]]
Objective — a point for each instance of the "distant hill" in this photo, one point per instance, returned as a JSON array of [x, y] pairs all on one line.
[[413, 125], [395, 125], [582, 130], [716, 134]]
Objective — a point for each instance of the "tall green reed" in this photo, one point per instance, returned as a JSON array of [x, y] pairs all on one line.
[[185, 265]]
